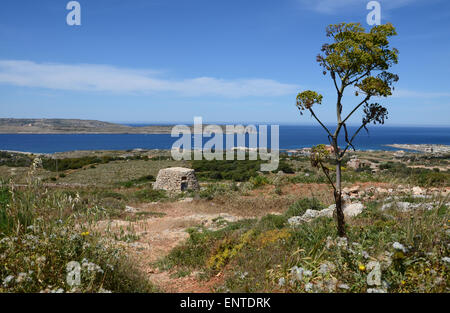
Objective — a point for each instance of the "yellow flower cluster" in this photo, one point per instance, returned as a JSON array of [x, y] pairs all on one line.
[[272, 236]]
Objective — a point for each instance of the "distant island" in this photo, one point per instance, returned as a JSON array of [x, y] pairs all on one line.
[[78, 126], [74, 126]]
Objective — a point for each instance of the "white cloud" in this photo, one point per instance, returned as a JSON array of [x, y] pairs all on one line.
[[91, 77], [338, 6]]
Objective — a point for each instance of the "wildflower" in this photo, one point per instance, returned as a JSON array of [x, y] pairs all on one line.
[[361, 267], [343, 286], [342, 242], [323, 269], [375, 290], [297, 273], [91, 267], [41, 259], [399, 246], [243, 275], [281, 282], [329, 242], [365, 255], [7, 280], [21, 277], [85, 234], [403, 282], [307, 273]]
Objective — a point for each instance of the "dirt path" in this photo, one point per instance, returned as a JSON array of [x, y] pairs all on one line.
[[150, 231], [156, 236]]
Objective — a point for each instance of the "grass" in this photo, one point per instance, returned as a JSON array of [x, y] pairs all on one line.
[[267, 255], [150, 195], [138, 181], [42, 232]]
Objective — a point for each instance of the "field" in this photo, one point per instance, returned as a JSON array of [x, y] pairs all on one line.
[[243, 231]]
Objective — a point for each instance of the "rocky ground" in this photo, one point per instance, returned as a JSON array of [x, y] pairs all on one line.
[[149, 239]]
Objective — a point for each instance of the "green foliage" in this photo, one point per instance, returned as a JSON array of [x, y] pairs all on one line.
[[285, 167], [306, 100], [137, 181], [236, 170], [308, 177], [420, 176], [262, 252], [77, 163], [41, 232], [299, 207], [150, 195], [73, 163], [213, 190], [271, 221], [355, 53], [259, 181], [6, 221], [14, 160]]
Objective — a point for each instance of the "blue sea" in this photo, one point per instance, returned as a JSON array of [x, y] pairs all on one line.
[[291, 137]]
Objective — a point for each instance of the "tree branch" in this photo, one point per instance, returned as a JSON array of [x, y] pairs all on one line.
[[333, 75], [356, 108], [350, 143], [358, 78], [326, 170], [324, 127]]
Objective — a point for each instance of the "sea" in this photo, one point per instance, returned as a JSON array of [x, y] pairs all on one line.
[[290, 137]]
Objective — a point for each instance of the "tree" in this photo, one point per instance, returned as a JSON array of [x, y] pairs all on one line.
[[359, 61]]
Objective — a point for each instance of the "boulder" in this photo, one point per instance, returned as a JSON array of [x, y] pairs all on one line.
[[353, 209], [350, 190], [310, 215], [350, 210], [407, 206], [416, 191], [381, 190]]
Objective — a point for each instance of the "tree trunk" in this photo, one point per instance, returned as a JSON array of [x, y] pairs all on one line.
[[338, 200]]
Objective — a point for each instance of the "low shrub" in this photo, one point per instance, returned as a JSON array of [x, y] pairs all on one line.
[[299, 207], [150, 195], [45, 236]]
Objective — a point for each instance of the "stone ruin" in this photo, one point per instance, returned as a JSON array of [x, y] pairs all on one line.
[[356, 164], [176, 179]]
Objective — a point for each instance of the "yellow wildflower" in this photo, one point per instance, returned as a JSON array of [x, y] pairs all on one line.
[[361, 267], [403, 282], [85, 233]]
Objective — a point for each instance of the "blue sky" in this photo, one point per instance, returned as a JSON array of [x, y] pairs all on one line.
[[224, 60]]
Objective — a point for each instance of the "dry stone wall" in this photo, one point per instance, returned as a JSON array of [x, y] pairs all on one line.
[[176, 179]]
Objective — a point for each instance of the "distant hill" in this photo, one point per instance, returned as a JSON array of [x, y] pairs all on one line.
[[73, 126]]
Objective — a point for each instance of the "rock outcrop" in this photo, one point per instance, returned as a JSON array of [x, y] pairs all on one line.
[[350, 210]]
